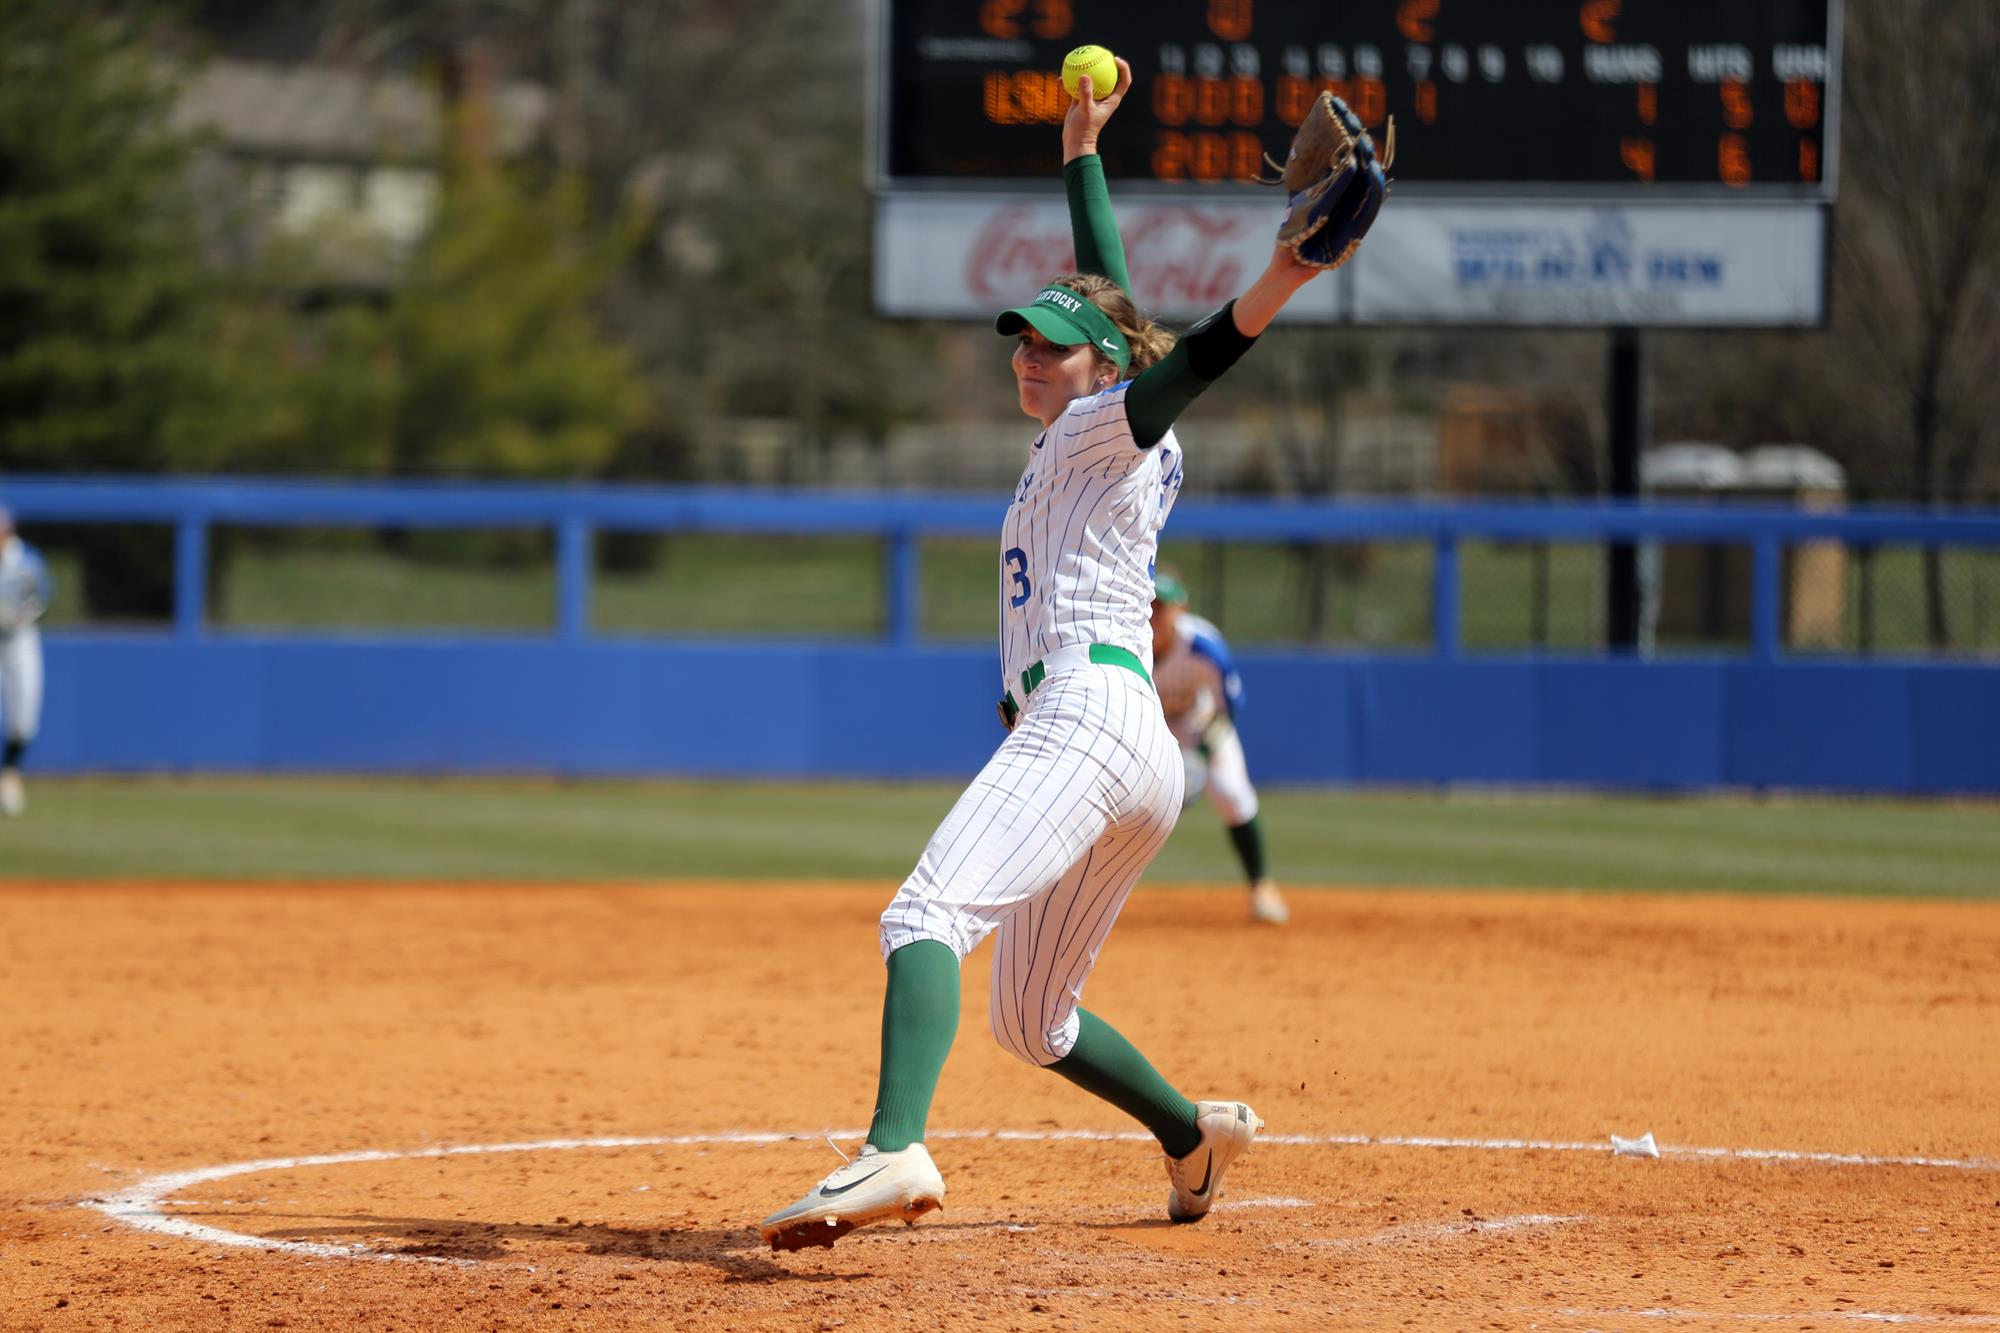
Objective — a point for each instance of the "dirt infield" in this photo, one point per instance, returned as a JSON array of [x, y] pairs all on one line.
[[173, 1053]]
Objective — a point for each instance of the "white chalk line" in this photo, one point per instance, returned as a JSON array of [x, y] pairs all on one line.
[[140, 1205], [1415, 1231], [1553, 1145], [1758, 1317], [1282, 1201]]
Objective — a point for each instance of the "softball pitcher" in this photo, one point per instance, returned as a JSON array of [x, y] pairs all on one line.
[[1201, 692], [24, 595], [1044, 846]]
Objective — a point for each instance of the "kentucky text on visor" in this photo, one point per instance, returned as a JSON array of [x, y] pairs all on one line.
[[1066, 319]]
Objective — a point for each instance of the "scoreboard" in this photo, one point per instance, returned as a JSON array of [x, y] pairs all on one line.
[[1631, 98]]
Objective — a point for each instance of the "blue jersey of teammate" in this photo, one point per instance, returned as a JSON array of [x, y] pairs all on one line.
[[1197, 677]]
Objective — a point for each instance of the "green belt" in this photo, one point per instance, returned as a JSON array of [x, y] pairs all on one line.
[[1109, 654]]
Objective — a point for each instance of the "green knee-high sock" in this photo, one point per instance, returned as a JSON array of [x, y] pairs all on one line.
[[1106, 1065], [919, 1019], [1248, 839]]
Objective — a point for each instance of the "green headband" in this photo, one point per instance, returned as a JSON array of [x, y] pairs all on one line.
[[1066, 319]]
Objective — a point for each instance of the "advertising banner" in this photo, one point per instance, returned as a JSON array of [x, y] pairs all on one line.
[[1426, 262], [1649, 265]]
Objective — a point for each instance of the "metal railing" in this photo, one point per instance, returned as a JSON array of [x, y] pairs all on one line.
[[576, 514]]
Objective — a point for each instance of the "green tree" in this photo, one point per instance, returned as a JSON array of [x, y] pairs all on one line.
[[496, 362], [105, 318], [103, 312]]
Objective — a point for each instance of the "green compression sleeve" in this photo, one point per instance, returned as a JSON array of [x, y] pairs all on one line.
[[1106, 1065], [1198, 360], [919, 1019], [1092, 225], [1248, 840]]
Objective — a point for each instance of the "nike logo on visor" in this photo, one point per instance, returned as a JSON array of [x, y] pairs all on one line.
[[1110, 345]]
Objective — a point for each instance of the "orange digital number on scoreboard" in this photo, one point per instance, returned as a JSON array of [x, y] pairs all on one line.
[[1229, 19], [1413, 20], [1736, 110], [1178, 99], [1201, 156], [1801, 103], [1211, 101], [1237, 101], [1732, 159], [1024, 97], [1046, 18], [1370, 100], [1638, 156], [1597, 18], [1295, 98], [1367, 97]]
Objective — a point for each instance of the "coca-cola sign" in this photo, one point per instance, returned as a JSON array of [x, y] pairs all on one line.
[[960, 256], [1178, 256]]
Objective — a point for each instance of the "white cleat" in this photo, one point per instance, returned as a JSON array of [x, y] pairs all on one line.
[[1267, 905], [1226, 1131], [872, 1187], [13, 796]]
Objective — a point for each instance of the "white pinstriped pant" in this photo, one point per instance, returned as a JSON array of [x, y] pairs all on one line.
[[1224, 774], [1045, 846], [21, 682]]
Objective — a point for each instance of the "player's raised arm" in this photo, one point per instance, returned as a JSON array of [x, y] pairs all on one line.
[[1092, 226], [1336, 184]]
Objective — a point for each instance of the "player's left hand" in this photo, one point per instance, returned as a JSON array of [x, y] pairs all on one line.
[[1089, 112]]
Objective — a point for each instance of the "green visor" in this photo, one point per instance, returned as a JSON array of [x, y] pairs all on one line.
[[1066, 319], [1168, 589]]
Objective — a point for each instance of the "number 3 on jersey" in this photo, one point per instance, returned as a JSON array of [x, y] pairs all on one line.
[[1016, 561]]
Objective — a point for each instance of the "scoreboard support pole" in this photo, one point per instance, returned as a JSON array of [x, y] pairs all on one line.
[[1626, 412]]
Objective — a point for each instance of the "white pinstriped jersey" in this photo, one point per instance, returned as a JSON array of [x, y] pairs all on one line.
[[1082, 535], [1050, 838]]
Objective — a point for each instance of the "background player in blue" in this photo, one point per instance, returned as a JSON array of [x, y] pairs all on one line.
[[1201, 693], [24, 595], [1046, 844]]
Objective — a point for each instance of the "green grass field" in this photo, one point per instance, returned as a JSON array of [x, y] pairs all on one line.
[[241, 829]]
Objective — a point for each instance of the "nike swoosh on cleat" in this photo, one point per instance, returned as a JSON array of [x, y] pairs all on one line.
[[1207, 1167], [826, 1193]]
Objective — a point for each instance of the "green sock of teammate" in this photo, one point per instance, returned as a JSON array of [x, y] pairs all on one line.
[[1248, 838], [919, 1019], [1106, 1065]]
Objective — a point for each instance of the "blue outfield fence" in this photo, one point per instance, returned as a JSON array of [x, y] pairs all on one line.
[[194, 697]]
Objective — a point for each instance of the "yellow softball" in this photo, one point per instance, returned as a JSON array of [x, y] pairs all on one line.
[[1098, 64]]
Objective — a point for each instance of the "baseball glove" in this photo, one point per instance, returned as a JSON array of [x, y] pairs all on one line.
[[1335, 184]]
